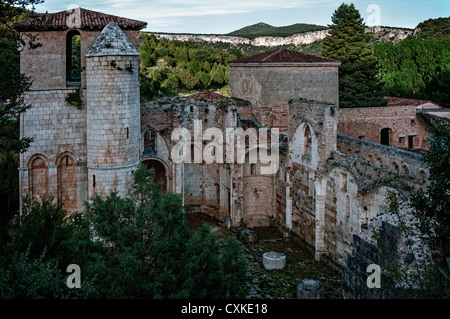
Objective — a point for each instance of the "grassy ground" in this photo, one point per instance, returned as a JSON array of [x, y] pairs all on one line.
[[277, 284]]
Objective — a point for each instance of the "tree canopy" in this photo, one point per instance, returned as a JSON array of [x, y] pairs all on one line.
[[349, 43], [171, 67], [139, 246], [415, 68]]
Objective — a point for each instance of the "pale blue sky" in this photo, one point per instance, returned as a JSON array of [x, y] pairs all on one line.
[[223, 16]]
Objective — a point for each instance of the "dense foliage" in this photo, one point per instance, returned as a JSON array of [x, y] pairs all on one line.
[[12, 86], [170, 67], [140, 246], [435, 28], [349, 43], [415, 68]]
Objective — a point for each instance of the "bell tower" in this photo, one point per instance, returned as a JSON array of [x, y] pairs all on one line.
[[67, 108]]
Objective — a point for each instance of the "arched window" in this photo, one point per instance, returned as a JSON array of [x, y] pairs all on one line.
[[67, 183], [394, 167], [347, 206], [307, 141], [405, 169], [73, 57], [150, 142], [253, 169], [39, 178]]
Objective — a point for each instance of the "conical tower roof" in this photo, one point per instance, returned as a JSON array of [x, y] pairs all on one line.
[[112, 41]]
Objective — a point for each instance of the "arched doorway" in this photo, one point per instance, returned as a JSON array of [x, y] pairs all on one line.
[[385, 136], [39, 178], [160, 172], [67, 183]]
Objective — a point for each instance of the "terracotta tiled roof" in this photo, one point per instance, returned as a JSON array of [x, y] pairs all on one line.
[[76, 18], [283, 56], [397, 101], [207, 95]]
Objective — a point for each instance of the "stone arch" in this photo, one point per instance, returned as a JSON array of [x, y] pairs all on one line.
[[38, 176], [162, 172], [405, 169], [394, 167], [379, 161], [307, 142], [73, 56], [305, 151], [154, 144], [150, 136], [67, 180]]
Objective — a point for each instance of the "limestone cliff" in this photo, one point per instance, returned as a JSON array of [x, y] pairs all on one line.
[[382, 34]]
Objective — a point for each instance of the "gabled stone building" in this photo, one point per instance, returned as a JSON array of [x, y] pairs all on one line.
[[326, 188]]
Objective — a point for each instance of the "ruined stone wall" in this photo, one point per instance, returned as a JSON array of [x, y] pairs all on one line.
[[342, 213], [367, 122], [354, 275], [206, 187], [391, 158], [303, 202], [275, 85], [58, 130]]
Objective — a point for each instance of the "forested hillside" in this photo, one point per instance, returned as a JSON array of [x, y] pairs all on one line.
[[415, 68], [263, 29], [172, 67], [435, 28]]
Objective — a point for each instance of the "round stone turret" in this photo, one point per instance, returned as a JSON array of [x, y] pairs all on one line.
[[113, 111]]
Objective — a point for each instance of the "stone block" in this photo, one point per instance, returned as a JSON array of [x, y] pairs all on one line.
[[310, 289], [274, 260]]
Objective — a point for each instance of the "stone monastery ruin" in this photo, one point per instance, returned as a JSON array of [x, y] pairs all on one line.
[[327, 188]]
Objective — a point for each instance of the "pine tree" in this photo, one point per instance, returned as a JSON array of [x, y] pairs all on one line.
[[349, 43]]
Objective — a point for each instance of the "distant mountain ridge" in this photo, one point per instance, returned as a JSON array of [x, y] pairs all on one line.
[[262, 29]]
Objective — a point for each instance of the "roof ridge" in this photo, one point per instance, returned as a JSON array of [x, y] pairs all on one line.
[[271, 54], [283, 55], [76, 18]]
